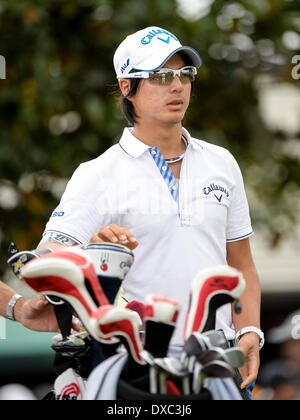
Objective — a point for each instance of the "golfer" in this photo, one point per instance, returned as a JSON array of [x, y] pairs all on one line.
[[179, 202]]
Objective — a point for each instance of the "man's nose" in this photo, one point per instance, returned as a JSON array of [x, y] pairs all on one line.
[[177, 84]]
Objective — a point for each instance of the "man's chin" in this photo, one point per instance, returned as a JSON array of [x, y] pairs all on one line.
[[175, 119]]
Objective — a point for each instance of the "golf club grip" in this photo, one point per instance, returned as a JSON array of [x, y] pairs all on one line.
[[238, 381]]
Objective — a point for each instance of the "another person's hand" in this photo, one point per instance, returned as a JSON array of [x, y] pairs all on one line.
[[38, 315], [249, 343], [117, 235]]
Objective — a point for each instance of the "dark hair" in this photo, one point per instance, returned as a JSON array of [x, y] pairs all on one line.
[[127, 105]]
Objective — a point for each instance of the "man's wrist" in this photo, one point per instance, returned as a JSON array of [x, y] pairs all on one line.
[[18, 309], [250, 336], [251, 330]]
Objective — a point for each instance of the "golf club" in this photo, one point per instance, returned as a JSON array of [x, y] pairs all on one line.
[[153, 372], [217, 338], [170, 366], [217, 342], [218, 369], [195, 345], [213, 369]]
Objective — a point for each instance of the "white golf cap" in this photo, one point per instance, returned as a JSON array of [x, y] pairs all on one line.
[[148, 50]]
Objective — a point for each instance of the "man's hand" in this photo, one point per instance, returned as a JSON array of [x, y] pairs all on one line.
[[117, 235], [249, 343]]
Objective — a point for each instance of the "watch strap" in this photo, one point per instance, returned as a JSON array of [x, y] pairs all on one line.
[[10, 307], [249, 330]]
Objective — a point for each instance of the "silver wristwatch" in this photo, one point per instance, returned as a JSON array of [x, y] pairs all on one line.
[[10, 307]]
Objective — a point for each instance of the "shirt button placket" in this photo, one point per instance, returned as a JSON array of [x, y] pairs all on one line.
[[185, 217]]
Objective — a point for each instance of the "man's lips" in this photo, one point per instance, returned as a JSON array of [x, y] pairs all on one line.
[[176, 102]]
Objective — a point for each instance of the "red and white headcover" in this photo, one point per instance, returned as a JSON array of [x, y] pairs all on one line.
[[161, 309], [221, 283], [110, 321], [69, 275]]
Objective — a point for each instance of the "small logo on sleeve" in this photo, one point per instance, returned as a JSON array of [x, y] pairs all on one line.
[[58, 214], [217, 190]]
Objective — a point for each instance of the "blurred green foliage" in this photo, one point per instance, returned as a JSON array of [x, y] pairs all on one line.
[[58, 104]]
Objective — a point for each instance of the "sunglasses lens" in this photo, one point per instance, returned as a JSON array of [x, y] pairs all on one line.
[[161, 78], [155, 78], [186, 75]]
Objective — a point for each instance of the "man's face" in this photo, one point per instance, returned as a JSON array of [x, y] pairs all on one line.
[[156, 103]]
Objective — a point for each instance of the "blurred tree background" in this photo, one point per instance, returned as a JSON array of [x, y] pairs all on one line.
[[58, 103]]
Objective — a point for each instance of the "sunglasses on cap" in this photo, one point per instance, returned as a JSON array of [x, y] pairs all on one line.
[[165, 76]]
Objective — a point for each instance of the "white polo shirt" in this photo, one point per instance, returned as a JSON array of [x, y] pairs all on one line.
[[182, 227]]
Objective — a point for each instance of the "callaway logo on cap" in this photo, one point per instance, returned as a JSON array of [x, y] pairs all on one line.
[[148, 50]]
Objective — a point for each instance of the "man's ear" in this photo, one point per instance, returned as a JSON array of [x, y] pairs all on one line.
[[124, 86]]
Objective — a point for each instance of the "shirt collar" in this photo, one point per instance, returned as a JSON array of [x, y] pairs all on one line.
[[131, 145], [135, 148]]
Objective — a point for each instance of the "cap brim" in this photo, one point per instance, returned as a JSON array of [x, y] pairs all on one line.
[[154, 63]]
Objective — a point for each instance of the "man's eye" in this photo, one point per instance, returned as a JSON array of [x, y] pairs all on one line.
[[168, 77]]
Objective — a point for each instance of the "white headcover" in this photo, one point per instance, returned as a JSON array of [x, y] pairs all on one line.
[[110, 260]]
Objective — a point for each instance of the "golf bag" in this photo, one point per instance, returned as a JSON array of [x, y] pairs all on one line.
[[78, 278]]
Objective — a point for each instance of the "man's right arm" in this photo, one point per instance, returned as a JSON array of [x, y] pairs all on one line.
[[82, 217], [112, 233], [54, 246]]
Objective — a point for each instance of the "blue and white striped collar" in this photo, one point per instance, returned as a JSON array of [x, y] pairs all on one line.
[[135, 148]]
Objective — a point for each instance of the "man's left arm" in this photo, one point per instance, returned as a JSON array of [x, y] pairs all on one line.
[[239, 256]]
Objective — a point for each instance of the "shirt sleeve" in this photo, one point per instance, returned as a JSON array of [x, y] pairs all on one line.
[[239, 222], [82, 210]]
